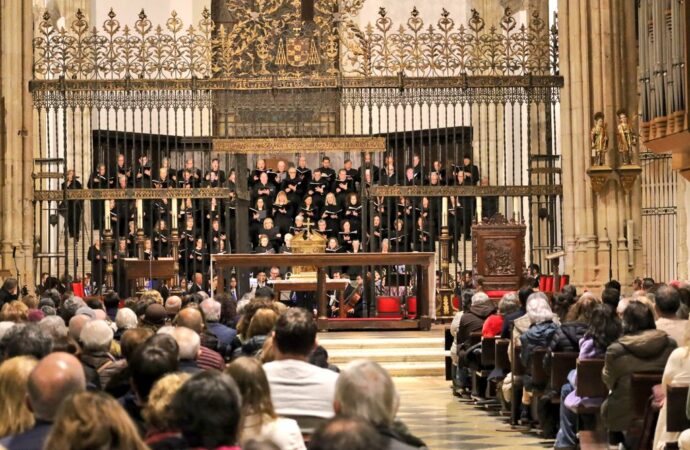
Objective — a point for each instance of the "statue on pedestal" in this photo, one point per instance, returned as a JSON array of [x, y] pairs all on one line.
[[626, 138], [599, 140]]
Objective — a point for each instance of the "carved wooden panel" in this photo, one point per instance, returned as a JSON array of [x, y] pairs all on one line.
[[499, 252]]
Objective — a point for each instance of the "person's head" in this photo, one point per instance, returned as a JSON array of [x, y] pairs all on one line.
[[126, 319], [253, 385], [55, 378], [648, 284], [53, 326], [211, 309], [14, 311], [26, 340], [534, 269], [295, 334], [582, 310], [96, 336], [10, 285], [613, 284], [275, 273], [150, 361], [611, 296], [326, 162], [509, 304], [637, 317], [207, 410], [538, 309], [155, 315], [523, 295], [347, 433], [599, 119], [667, 301], [93, 420], [15, 416], [173, 305], [365, 390], [132, 339], [188, 341], [604, 326], [157, 413], [262, 323], [480, 298]]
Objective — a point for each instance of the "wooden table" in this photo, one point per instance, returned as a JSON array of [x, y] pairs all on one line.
[[423, 261], [307, 285]]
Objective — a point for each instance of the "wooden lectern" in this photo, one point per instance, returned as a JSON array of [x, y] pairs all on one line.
[[499, 252], [136, 269]]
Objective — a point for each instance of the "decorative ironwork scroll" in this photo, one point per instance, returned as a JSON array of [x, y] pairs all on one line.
[[130, 194], [465, 191], [269, 41], [252, 146]]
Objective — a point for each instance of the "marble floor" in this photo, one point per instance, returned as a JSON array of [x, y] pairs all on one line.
[[433, 414]]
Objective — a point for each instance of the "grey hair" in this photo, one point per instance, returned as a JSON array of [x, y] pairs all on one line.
[[509, 303], [126, 319], [53, 326], [365, 390], [188, 341], [480, 297], [5, 326], [96, 336], [538, 309], [211, 309]]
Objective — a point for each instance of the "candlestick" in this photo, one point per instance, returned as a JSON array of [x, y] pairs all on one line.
[[516, 208], [174, 214], [444, 212], [107, 215], [140, 214], [479, 210]]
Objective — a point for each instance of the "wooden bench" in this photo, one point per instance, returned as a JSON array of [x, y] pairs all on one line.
[[488, 352], [561, 365], [539, 376], [517, 370], [474, 339], [641, 384], [676, 401], [501, 359], [486, 365], [590, 384]]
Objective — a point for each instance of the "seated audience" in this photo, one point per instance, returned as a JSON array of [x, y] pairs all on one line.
[[207, 410], [208, 358], [523, 295], [574, 324], [366, 391], [259, 417], [55, 378], [494, 323], [189, 344], [95, 338], [603, 329], [15, 415], [223, 333], [297, 387], [641, 348], [93, 420], [471, 321]]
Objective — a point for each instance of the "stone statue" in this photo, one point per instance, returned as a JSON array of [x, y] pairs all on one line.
[[599, 140], [626, 138]]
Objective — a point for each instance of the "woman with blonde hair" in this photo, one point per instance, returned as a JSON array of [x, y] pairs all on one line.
[[260, 420], [157, 414], [93, 420], [15, 416], [15, 311], [259, 328]]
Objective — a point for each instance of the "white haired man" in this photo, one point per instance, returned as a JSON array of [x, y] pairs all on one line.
[[365, 390], [95, 338], [223, 333]]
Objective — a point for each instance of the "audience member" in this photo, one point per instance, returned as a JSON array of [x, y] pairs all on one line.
[[259, 417], [158, 416], [207, 410], [125, 319], [260, 327], [173, 305], [26, 340], [189, 344], [366, 391], [208, 358], [95, 337], [93, 420], [523, 295], [223, 333], [297, 387], [15, 415], [347, 433], [493, 325], [667, 300]]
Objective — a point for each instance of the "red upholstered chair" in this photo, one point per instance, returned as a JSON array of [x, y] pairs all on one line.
[[565, 279], [388, 307], [542, 283], [78, 289], [456, 303], [549, 284], [412, 307]]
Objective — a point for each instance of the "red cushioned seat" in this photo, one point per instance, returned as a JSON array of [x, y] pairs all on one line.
[[411, 307], [456, 303], [388, 307], [78, 289], [497, 295], [565, 279]]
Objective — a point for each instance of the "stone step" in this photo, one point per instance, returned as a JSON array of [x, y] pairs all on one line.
[[381, 343], [388, 355], [424, 369]]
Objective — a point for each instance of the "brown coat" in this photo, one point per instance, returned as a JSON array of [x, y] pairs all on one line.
[[646, 351]]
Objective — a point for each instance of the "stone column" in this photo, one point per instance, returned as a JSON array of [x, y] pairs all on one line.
[[598, 62], [16, 149]]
